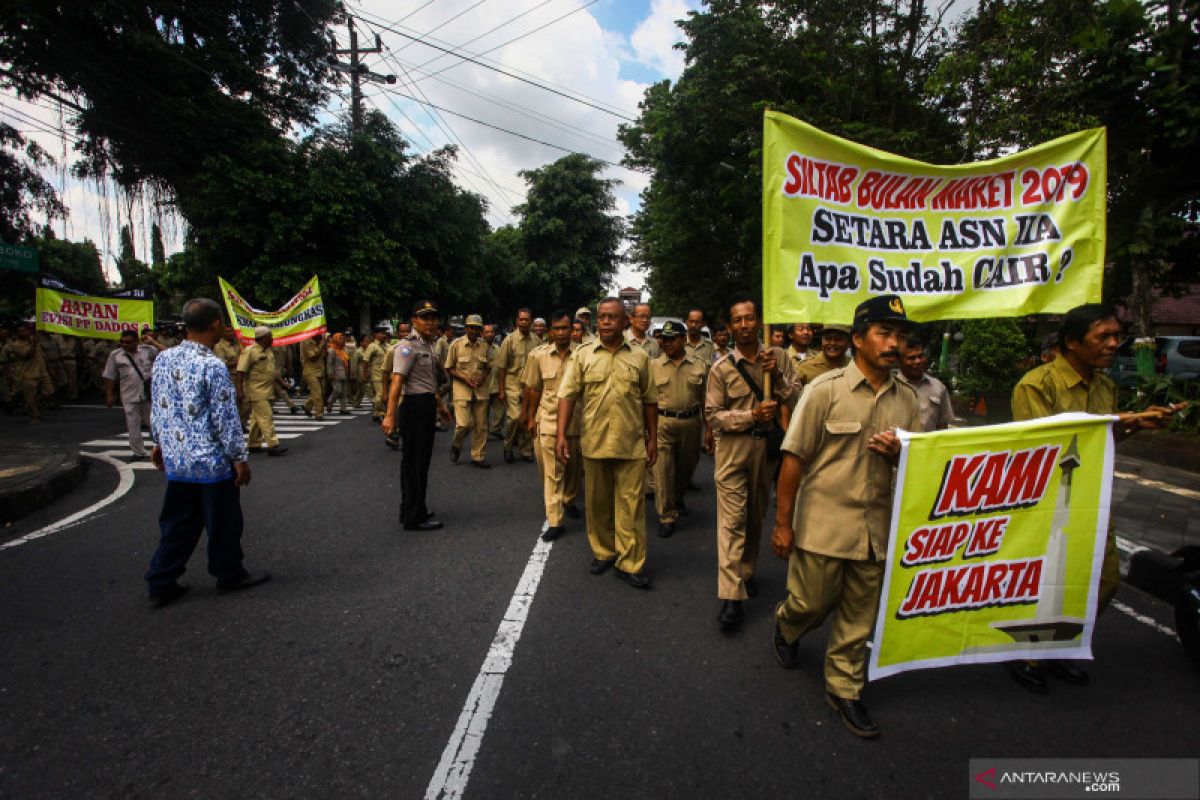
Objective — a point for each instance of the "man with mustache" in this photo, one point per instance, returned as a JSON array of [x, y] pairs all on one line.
[[834, 503]]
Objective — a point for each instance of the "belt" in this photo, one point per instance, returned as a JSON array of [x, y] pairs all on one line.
[[756, 433], [679, 414]]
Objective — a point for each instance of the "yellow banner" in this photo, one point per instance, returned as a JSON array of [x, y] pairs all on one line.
[[61, 309], [300, 318], [996, 545], [842, 222]]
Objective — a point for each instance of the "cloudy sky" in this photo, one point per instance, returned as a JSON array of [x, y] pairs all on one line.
[[597, 56]]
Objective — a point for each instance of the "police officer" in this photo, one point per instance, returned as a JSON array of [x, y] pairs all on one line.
[[741, 415], [834, 503], [619, 438], [835, 341], [511, 362], [312, 371], [255, 386], [415, 377], [467, 367], [543, 372], [679, 381]]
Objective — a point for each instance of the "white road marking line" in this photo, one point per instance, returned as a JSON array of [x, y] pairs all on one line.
[[1130, 547], [124, 484], [296, 428], [1142, 618], [1160, 485], [112, 443], [454, 769]]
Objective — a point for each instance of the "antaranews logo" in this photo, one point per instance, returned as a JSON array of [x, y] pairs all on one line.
[[1054, 778]]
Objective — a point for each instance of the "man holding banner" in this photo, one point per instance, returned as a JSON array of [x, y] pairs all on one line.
[[838, 456]]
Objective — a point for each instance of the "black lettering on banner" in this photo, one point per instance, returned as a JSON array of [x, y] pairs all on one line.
[[826, 278]]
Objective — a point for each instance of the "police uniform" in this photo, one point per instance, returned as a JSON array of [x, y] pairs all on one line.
[[470, 360], [544, 372], [312, 371], [512, 356], [742, 470], [680, 388], [414, 359], [842, 513], [231, 353], [256, 365], [612, 389]]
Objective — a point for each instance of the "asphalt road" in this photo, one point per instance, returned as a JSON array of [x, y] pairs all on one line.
[[346, 674]]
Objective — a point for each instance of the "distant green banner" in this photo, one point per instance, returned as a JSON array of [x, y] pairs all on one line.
[[17, 258], [302, 317]]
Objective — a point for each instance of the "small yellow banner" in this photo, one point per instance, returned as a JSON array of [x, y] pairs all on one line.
[[842, 222]]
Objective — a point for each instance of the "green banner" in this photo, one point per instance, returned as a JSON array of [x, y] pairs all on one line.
[[18, 258]]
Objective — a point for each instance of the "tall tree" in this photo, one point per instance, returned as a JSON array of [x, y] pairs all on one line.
[[23, 191]]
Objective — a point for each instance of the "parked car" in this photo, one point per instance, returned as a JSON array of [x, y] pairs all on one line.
[[1177, 356]]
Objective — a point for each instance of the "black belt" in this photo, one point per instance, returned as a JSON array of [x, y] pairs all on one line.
[[679, 414], [757, 433]]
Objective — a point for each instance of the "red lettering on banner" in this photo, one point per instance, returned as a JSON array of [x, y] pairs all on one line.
[[945, 589], [807, 177], [994, 481]]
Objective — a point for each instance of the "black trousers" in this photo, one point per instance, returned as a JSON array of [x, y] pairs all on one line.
[[418, 413], [187, 509]]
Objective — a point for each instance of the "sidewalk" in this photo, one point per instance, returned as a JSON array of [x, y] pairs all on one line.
[[32, 476]]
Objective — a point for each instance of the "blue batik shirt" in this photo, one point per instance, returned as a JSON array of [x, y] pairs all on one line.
[[195, 417]]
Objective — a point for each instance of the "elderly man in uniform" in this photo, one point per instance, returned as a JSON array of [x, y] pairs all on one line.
[[936, 413], [255, 386], [638, 333], [539, 328], [29, 374], [741, 416], [800, 347], [373, 357], [697, 345], [1075, 381], [128, 372], [467, 366], [543, 372], [511, 363], [838, 456], [414, 376], [312, 372], [835, 341], [619, 437], [229, 350], [679, 381]]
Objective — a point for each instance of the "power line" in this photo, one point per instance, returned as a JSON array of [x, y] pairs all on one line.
[[492, 29], [443, 24]]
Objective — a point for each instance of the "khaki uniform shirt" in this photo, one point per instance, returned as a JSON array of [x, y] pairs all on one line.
[[49, 346], [230, 353], [589, 338], [470, 360], [312, 359], [493, 381], [27, 361], [934, 399], [680, 386], [729, 403], [703, 351], [648, 344], [611, 389], [356, 361], [816, 366], [798, 357], [514, 351], [413, 358], [543, 372], [257, 367], [1056, 388], [843, 509], [374, 355]]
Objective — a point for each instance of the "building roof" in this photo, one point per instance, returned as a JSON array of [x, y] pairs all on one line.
[[1172, 310]]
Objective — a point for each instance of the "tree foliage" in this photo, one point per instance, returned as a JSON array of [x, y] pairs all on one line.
[[23, 190]]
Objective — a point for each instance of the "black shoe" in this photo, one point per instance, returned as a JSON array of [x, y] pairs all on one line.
[[454, 453], [308, 413], [427, 525], [168, 594], [293, 410], [255, 450], [637, 580], [1068, 671], [751, 587], [277, 450], [599, 566], [1028, 674], [528, 459], [572, 511], [392, 443], [855, 715], [786, 654], [244, 581], [666, 529], [481, 464], [683, 510], [731, 615], [692, 487], [553, 532], [508, 456]]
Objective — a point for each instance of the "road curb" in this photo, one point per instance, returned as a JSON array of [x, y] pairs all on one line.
[[1147, 570], [33, 476]]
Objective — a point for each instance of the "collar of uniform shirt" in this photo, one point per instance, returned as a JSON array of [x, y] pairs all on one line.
[[855, 377], [1067, 372], [736, 354]]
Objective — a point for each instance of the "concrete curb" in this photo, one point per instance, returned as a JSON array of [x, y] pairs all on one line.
[[1147, 570], [33, 476]]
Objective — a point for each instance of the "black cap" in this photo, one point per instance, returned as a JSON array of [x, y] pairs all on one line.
[[671, 329], [884, 308], [424, 307]]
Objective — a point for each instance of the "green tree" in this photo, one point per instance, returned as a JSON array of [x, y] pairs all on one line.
[[135, 274], [23, 190], [158, 251]]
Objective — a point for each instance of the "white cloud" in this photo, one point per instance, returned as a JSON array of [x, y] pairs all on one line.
[[655, 37]]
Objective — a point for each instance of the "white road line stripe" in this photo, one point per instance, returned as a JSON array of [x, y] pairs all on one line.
[[124, 484], [113, 442], [1142, 618], [1130, 547], [454, 769], [296, 428], [1161, 486]]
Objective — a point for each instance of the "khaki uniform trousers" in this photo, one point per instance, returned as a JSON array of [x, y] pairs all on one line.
[[471, 415], [35, 389], [678, 454], [743, 480], [496, 414], [316, 395], [378, 396], [262, 424], [560, 482], [616, 510], [818, 585], [71, 370], [279, 394], [518, 435]]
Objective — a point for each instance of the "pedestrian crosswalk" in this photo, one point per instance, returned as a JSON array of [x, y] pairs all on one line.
[[287, 426]]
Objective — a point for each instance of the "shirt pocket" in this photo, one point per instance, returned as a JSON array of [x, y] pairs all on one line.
[[738, 392], [843, 438]]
